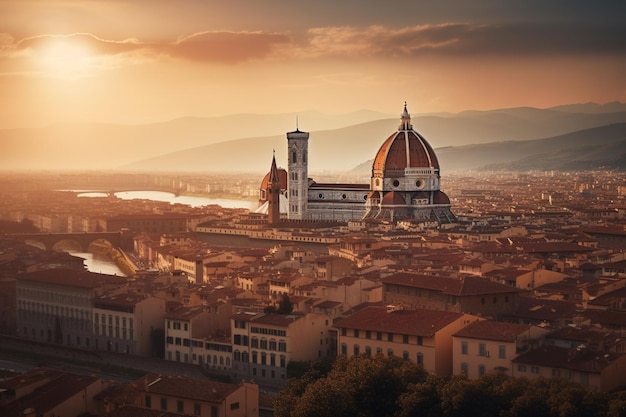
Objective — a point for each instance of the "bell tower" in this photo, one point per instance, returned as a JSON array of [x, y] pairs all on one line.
[[298, 174], [273, 188]]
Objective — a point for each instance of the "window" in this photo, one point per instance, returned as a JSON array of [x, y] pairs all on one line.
[[420, 358], [197, 409], [534, 369], [234, 406], [556, 372], [481, 370], [344, 331], [464, 348], [502, 352], [368, 351], [420, 340], [405, 338], [482, 350], [180, 406], [163, 403], [389, 352], [294, 157], [405, 355], [464, 368], [214, 411], [390, 337], [254, 343], [368, 334], [356, 350], [521, 368], [379, 336], [148, 401], [344, 349]]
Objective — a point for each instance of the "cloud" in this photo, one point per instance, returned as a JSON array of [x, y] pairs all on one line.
[[229, 47], [348, 42], [463, 39], [220, 47]]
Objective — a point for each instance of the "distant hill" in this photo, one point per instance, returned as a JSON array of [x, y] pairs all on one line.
[[600, 147], [245, 142]]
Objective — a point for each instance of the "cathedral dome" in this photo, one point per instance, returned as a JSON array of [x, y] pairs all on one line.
[[282, 178], [403, 149]]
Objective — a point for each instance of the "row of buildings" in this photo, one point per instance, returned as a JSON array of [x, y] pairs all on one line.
[[51, 392], [372, 296]]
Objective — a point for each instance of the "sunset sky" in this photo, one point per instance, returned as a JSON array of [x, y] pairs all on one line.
[[138, 61]]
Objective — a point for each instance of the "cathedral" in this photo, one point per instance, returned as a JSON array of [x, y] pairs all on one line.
[[404, 184]]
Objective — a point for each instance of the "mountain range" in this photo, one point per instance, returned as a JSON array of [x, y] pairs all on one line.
[[577, 136]]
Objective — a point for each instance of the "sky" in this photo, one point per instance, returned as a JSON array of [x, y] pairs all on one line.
[[143, 61]]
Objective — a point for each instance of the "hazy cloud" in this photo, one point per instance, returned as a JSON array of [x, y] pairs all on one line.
[[226, 46], [465, 39], [447, 39]]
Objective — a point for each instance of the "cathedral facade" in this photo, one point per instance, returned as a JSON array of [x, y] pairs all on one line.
[[405, 184]]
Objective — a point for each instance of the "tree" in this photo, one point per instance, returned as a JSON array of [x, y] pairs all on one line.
[[361, 386], [284, 305]]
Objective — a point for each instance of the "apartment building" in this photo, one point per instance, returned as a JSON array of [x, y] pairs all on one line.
[[56, 305], [199, 335], [180, 395], [421, 336], [126, 322], [490, 346], [263, 344]]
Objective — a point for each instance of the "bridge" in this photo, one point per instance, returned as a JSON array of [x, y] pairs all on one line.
[[110, 191], [121, 239]]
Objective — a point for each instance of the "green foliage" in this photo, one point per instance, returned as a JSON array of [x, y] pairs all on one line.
[[384, 386], [284, 306]]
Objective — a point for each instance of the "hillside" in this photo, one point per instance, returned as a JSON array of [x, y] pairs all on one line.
[[600, 147], [245, 142]]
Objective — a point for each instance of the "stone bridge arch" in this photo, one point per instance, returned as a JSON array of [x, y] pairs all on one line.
[[120, 239]]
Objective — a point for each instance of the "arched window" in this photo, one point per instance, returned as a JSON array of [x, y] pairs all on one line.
[[294, 157]]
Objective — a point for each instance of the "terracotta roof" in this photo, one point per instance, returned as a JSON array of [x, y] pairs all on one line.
[[71, 278], [465, 286], [185, 387], [412, 322], [493, 330], [50, 395], [583, 360]]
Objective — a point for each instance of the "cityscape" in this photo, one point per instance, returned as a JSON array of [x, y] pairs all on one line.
[[312, 209]]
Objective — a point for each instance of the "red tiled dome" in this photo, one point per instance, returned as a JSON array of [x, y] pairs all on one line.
[[392, 157], [441, 198], [404, 149], [393, 199], [282, 178]]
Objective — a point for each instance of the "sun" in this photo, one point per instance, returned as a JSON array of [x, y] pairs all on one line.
[[64, 57]]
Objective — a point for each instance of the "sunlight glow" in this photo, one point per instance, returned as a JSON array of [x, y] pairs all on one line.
[[64, 57]]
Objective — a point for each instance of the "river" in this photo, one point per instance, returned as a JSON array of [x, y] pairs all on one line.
[[96, 262], [193, 201]]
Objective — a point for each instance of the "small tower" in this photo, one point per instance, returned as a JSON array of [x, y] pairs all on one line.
[[273, 209], [298, 175]]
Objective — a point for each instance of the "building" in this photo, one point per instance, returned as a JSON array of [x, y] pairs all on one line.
[[47, 392], [490, 346], [468, 294], [405, 184], [56, 305], [126, 323], [597, 371], [263, 344], [198, 335], [181, 395], [421, 336]]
